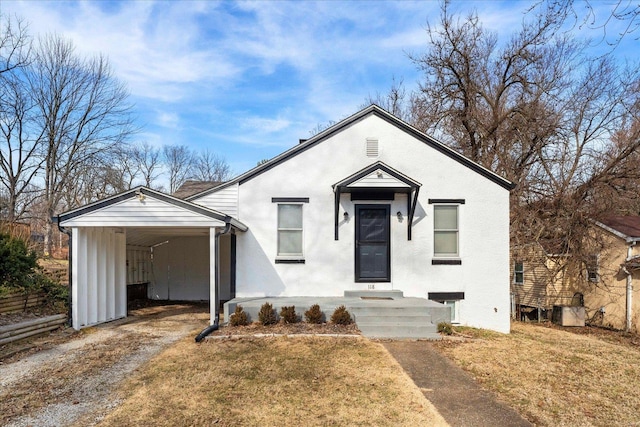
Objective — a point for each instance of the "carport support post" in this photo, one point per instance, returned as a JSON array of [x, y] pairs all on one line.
[[213, 274]]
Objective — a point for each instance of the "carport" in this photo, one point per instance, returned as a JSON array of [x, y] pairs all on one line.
[[191, 248]]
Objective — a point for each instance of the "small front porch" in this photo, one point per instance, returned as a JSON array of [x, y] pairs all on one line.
[[378, 314]]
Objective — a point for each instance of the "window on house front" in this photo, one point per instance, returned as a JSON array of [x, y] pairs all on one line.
[[290, 230], [593, 274], [445, 233], [518, 273], [454, 305]]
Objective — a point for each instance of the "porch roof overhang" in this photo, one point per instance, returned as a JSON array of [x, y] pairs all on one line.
[[377, 178], [149, 217]]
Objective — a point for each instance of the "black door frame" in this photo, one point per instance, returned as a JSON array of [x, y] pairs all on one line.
[[387, 210]]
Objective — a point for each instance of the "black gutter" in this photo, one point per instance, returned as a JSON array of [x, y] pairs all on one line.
[[69, 269], [216, 310]]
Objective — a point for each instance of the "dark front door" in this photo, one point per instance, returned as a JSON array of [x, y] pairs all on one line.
[[372, 243]]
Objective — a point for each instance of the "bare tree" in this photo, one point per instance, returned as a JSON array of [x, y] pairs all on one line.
[[179, 161], [83, 112], [15, 44], [394, 101], [210, 167], [20, 159], [538, 109], [149, 161], [19, 162]]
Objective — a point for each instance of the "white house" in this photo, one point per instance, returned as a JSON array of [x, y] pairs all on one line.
[[369, 204]]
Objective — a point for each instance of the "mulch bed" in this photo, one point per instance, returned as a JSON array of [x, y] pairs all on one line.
[[288, 329]]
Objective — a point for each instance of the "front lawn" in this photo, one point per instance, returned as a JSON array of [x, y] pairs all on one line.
[[554, 376], [298, 381]]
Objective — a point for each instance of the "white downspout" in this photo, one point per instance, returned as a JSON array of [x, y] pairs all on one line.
[[629, 307]]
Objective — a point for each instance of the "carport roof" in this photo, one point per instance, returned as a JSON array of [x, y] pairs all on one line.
[[141, 193]]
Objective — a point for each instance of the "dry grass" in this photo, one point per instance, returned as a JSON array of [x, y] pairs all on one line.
[[54, 383], [273, 381], [555, 377]]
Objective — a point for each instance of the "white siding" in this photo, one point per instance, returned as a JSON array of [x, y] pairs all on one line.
[[329, 264], [135, 213], [224, 200], [138, 264], [380, 179], [98, 276], [181, 270]]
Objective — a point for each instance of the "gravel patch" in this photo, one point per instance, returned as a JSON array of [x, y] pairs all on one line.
[[74, 383]]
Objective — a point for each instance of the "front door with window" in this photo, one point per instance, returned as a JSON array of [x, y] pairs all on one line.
[[372, 243]]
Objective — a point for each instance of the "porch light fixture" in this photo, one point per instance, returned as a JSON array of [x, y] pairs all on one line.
[[399, 215], [139, 195], [346, 215]]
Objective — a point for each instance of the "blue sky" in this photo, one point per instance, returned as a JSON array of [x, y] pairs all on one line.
[[248, 79]]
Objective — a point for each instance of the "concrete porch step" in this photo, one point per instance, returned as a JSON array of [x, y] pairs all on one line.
[[384, 311], [395, 321], [418, 319], [374, 294], [399, 330]]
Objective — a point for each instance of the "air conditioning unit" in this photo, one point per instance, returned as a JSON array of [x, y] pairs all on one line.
[[568, 316]]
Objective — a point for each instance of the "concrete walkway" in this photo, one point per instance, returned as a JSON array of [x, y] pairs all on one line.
[[458, 398]]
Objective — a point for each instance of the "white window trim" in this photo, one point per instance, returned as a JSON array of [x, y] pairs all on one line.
[[450, 256], [278, 229]]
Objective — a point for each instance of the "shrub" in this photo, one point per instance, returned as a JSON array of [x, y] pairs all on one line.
[[341, 316], [17, 263], [313, 315], [445, 328], [288, 314], [238, 317], [267, 315], [57, 295]]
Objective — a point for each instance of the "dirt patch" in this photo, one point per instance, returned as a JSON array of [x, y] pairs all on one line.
[[73, 376]]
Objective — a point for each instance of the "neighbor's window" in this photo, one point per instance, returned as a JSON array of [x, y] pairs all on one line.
[[593, 274], [518, 273], [445, 233], [289, 230]]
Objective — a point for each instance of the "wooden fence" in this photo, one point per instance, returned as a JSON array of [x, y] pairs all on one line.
[[23, 330], [19, 302]]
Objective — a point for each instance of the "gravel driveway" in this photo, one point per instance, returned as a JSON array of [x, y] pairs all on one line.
[[74, 382]]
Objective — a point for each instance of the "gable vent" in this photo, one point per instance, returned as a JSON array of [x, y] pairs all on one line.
[[372, 147]]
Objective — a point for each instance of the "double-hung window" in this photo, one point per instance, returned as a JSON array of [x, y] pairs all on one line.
[[593, 273], [290, 231], [518, 273], [445, 231]]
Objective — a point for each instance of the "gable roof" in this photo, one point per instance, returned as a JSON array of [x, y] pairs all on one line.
[[624, 226], [192, 186], [141, 193], [366, 178], [372, 110]]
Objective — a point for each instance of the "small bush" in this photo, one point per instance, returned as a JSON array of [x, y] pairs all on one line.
[[267, 315], [288, 314], [238, 317], [313, 315], [17, 264], [445, 328], [341, 316]]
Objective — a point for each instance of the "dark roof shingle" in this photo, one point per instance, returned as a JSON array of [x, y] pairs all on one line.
[[628, 225], [191, 187]]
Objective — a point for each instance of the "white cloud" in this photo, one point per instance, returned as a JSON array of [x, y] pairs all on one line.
[[265, 125], [168, 120]]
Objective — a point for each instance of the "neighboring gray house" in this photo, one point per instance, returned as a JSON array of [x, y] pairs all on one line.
[[370, 203]]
